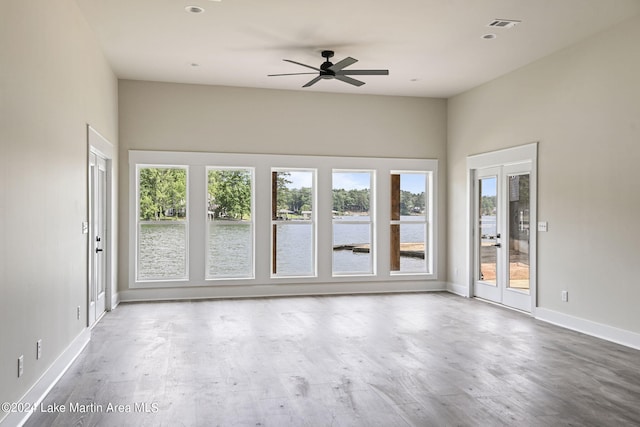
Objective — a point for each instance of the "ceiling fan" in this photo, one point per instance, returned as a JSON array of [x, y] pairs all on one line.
[[329, 70]]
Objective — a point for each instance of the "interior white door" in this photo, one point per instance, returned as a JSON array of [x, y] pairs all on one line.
[[97, 236], [502, 235]]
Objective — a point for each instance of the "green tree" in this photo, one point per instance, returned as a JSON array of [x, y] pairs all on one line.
[[487, 205], [352, 200], [163, 193], [284, 193], [230, 193], [411, 202]]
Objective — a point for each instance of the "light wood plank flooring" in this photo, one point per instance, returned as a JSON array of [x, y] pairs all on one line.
[[430, 359]]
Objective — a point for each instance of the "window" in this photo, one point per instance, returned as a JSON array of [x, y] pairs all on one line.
[[353, 213], [409, 225], [162, 226], [293, 224], [230, 227], [280, 220]]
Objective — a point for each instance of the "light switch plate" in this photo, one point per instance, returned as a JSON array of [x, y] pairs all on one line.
[[85, 227], [543, 226]]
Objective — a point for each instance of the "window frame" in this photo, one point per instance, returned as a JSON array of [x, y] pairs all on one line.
[[252, 174], [371, 222], [311, 221], [139, 222], [263, 282], [428, 221]]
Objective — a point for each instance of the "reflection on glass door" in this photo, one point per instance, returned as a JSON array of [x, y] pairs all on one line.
[[519, 206], [488, 223]]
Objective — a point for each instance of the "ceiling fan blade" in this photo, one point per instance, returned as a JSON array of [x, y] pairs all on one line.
[[304, 65], [288, 74], [363, 72], [342, 64], [314, 81], [349, 80]]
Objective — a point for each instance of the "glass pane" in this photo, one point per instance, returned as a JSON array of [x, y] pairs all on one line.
[[519, 232], [162, 251], [352, 248], [412, 247], [294, 195], [412, 195], [293, 242], [162, 194], [488, 230], [408, 232], [230, 250], [351, 194], [101, 211], [352, 237], [230, 229], [294, 254], [93, 196], [162, 233]]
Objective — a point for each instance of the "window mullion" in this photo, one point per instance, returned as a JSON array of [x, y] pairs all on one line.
[[197, 222]]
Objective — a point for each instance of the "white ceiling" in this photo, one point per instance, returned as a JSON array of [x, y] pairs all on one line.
[[432, 48]]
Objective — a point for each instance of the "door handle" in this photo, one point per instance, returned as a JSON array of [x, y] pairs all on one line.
[[98, 250], [497, 245]]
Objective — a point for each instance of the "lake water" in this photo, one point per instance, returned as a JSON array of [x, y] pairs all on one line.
[[162, 253]]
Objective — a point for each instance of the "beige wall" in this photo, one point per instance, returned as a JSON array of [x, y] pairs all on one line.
[[54, 80], [164, 116], [583, 106]]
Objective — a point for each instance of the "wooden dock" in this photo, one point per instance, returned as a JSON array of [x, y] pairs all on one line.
[[413, 250]]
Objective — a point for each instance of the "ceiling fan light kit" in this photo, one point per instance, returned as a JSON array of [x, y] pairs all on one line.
[[338, 71]]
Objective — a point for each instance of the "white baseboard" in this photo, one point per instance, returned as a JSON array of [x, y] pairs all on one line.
[[115, 300], [46, 382], [598, 330], [258, 291], [457, 289]]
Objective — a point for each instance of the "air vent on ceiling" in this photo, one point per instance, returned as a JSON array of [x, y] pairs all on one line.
[[503, 23]]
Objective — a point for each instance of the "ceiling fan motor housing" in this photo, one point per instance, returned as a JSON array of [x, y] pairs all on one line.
[[326, 73]]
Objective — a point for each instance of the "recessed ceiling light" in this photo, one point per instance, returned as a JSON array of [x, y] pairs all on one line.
[[194, 9], [489, 36]]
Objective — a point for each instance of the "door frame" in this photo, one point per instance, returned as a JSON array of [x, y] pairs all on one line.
[[527, 153], [100, 146]]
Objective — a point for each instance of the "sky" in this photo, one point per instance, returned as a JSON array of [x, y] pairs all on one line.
[[412, 182], [489, 186]]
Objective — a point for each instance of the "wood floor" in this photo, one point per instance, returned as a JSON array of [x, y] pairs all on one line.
[[389, 360]]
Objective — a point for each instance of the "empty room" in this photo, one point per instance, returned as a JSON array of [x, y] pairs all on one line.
[[293, 213]]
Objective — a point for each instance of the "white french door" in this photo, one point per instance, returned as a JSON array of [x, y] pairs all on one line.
[[502, 235], [97, 236], [503, 218]]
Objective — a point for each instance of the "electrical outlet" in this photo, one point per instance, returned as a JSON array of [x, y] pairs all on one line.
[[565, 296], [38, 349], [20, 365], [78, 312]]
